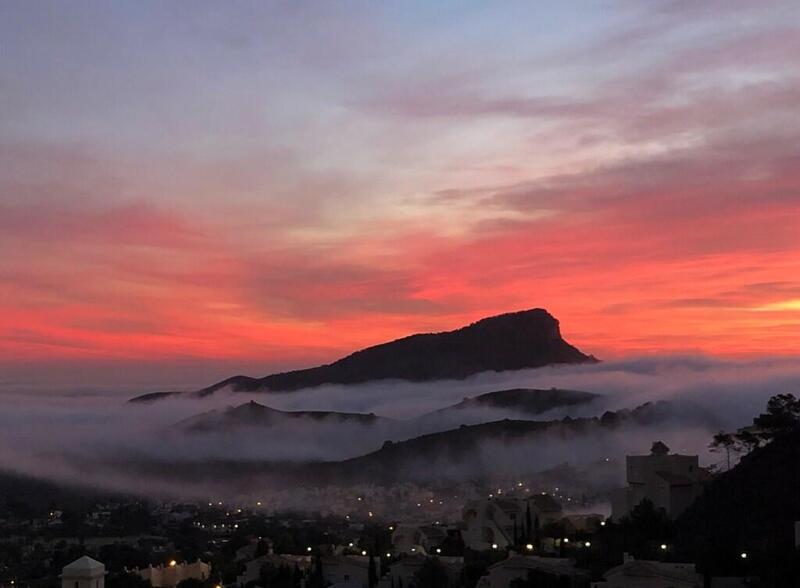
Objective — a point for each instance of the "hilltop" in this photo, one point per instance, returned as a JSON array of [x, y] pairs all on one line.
[[513, 341]]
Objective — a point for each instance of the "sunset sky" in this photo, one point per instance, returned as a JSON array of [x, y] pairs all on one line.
[[193, 189]]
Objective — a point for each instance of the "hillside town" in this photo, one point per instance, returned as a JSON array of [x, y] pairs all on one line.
[[511, 536]]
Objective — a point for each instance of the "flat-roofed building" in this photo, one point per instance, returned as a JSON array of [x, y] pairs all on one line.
[[670, 481]]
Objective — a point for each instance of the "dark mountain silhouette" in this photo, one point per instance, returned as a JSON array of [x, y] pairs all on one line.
[[417, 457], [514, 341], [449, 455], [253, 414], [522, 400], [515, 403], [153, 397]]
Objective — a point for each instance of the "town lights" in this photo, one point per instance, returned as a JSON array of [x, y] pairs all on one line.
[[529, 547], [172, 563]]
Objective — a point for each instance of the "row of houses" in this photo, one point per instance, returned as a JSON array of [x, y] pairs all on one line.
[[500, 522]]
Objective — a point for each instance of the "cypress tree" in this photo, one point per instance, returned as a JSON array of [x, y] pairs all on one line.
[[528, 526], [372, 574]]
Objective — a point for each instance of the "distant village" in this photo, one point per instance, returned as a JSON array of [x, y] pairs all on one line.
[[515, 535]]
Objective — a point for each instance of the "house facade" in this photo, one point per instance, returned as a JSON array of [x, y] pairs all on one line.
[[491, 523], [634, 573], [501, 574], [670, 481]]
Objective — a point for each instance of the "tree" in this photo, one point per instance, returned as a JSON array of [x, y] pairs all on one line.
[[372, 573], [317, 579], [782, 415], [724, 442], [127, 580], [432, 574], [528, 525]]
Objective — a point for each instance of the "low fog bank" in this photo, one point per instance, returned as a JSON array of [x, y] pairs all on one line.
[[92, 438]]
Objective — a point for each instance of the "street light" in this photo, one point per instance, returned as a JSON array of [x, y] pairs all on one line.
[[663, 547], [494, 545], [529, 547], [743, 555], [588, 544]]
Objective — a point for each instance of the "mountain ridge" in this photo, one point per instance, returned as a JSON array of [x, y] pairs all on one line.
[[506, 342]]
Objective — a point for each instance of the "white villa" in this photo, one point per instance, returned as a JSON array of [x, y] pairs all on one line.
[[84, 572], [634, 573], [414, 539], [168, 576], [403, 571], [346, 571], [490, 522], [501, 574]]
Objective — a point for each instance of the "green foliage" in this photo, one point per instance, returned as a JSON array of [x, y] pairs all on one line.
[[752, 509], [432, 574], [476, 563], [782, 415], [279, 577], [372, 575], [118, 556], [127, 580]]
